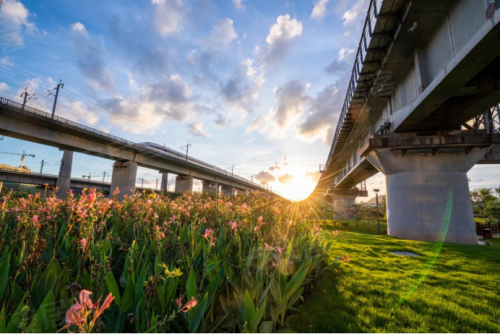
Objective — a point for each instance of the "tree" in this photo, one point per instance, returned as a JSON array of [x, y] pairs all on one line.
[[480, 199], [492, 210]]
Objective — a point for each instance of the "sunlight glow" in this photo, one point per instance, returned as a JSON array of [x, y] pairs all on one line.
[[299, 188]]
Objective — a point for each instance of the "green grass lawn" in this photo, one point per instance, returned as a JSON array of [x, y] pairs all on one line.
[[449, 288]]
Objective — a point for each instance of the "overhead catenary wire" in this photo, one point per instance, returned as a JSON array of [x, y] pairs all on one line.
[[96, 108]]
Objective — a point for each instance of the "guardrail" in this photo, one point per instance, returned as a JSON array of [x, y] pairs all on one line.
[[52, 176], [124, 141], [363, 48]]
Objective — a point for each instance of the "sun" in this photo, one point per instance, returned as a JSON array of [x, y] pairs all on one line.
[[299, 188]]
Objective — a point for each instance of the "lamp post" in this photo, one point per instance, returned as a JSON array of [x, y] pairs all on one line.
[[378, 216]]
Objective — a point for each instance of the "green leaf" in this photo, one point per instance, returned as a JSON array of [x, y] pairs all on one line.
[[13, 325], [266, 327], [128, 296], [44, 320], [212, 266], [2, 320], [113, 287], [297, 280], [4, 275], [257, 318], [197, 315], [248, 308], [191, 290]]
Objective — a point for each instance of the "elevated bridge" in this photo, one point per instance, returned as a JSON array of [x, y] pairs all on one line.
[[26, 123], [421, 108]]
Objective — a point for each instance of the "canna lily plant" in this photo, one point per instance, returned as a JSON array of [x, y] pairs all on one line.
[[190, 263]]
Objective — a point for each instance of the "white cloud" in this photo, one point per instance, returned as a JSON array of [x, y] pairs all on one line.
[[354, 17], [359, 9], [196, 129], [78, 112], [240, 92], [168, 99], [3, 86], [345, 53], [15, 23], [322, 117], [90, 57], [265, 177], [239, 4], [319, 9], [281, 37], [291, 100], [221, 35], [169, 16]]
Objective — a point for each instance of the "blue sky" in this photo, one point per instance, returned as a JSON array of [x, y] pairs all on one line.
[[247, 83]]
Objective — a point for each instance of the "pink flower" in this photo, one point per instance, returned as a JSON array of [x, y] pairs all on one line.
[[260, 219], [83, 243], [189, 305], [279, 249], [207, 234], [75, 316], [35, 222], [256, 228], [233, 225], [267, 246], [178, 301], [345, 258]]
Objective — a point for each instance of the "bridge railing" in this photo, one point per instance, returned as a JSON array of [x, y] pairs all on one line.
[[44, 114], [367, 32]]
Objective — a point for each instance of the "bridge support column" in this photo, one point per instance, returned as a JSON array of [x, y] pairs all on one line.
[[226, 190], [64, 178], [164, 182], [428, 195], [123, 178], [209, 187], [343, 199], [1, 185], [184, 183]]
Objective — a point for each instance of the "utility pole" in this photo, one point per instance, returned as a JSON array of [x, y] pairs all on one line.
[[142, 186], [156, 184], [41, 167], [51, 92], [87, 176], [27, 96], [252, 178], [232, 170], [186, 148], [104, 177]]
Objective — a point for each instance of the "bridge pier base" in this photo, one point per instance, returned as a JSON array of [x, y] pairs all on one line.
[[164, 182], [123, 178], [184, 183], [1, 185], [428, 195], [63, 182]]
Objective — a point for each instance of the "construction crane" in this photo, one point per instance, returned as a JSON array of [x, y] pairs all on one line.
[[23, 156]]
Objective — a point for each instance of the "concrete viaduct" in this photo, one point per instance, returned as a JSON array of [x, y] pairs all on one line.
[[33, 125], [421, 108]]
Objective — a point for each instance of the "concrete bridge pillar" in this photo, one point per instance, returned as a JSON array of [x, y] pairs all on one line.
[[123, 178], [164, 182], [184, 183], [209, 187], [1, 185], [428, 195], [227, 190], [64, 177]]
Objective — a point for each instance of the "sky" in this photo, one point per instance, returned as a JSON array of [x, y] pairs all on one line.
[[257, 85]]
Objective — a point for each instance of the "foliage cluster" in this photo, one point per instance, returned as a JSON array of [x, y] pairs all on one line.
[[195, 263]]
